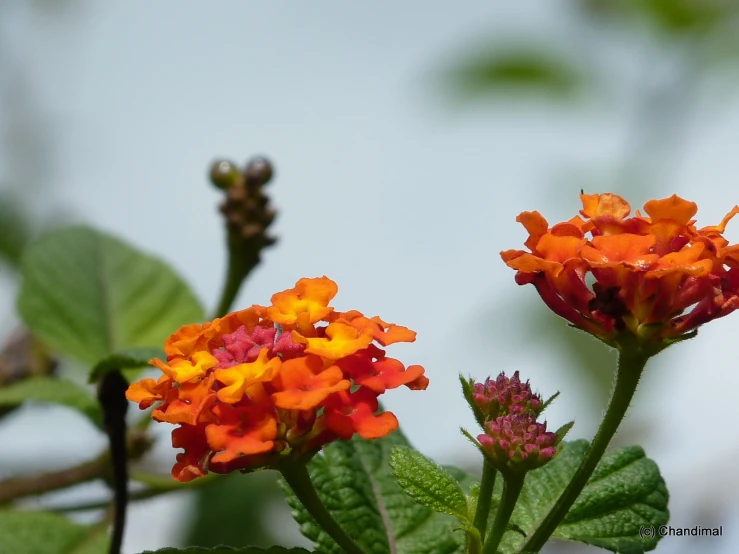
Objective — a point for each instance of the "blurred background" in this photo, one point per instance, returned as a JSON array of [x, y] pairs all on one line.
[[406, 139]]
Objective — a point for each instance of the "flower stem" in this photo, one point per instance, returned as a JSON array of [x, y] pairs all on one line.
[[240, 264], [631, 364], [296, 475], [484, 498], [512, 485], [112, 397]]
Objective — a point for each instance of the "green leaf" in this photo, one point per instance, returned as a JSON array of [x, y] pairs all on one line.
[[53, 391], [468, 389], [428, 483], [355, 482], [562, 431], [130, 358], [95, 543], [44, 533], [15, 228], [228, 550], [625, 492], [512, 69], [672, 17], [89, 295]]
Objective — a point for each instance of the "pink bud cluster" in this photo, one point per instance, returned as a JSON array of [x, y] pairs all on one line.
[[513, 440], [518, 440], [505, 396]]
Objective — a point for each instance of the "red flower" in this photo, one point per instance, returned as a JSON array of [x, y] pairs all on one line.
[[263, 383]]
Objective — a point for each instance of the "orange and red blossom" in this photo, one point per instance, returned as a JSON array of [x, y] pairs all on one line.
[[265, 383], [647, 270]]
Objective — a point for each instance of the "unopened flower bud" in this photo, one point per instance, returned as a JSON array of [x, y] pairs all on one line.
[[505, 396], [516, 442], [258, 172], [224, 174]]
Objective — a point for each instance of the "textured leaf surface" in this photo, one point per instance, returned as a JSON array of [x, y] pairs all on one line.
[[54, 391], [130, 358], [428, 483], [355, 482], [625, 492], [42, 533], [89, 295], [228, 550]]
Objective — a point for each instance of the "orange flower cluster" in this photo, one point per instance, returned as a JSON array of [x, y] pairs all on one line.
[[648, 271], [267, 382]]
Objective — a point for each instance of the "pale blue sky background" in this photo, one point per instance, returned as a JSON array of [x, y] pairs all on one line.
[[401, 198]]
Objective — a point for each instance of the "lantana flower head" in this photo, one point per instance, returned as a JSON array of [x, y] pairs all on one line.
[[265, 383], [648, 270]]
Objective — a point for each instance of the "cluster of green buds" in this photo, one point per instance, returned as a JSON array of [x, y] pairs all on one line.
[[246, 208]]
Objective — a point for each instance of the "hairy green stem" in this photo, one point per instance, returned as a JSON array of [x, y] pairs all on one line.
[[631, 364], [484, 498], [296, 475], [512, 485]]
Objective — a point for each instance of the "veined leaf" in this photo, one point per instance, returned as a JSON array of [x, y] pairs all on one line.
[[53, 391], [625, 492], [228, 550], [89, 295], [428, 483], [354, 480], [46, 533]]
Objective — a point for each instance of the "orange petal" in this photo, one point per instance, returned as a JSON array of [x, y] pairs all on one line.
[[182, 341], [610, 207], [560, 248], [721, 227], [305, 385], [191, 400], [384, 333], [183, 370], [673, 208], [148, 391], [239, 377], [633, 249], [686, 261], [347, 414], [343, 340], [381, 374], [566, 230], [536, 225], [529, 263], [307, 303], [421, 383], [241, 432], [508, 255]]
